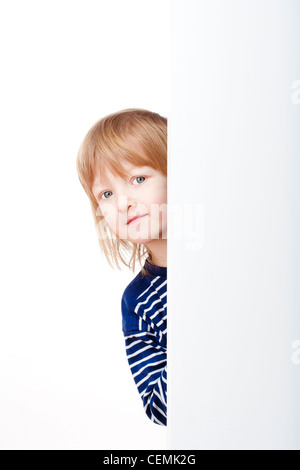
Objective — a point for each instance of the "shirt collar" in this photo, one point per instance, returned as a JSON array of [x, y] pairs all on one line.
[[155, 270]]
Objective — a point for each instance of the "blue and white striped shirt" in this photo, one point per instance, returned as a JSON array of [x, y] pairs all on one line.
[[144, 324]]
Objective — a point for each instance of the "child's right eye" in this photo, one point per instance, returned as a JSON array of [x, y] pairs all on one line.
[[103, 195]]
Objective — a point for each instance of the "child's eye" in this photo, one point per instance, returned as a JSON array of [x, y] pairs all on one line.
[[139, 178], [102, 196]]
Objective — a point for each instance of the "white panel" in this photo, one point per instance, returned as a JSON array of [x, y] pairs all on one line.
[[234, 279]]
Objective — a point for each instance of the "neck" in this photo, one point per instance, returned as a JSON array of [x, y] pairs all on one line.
[[158, 251]]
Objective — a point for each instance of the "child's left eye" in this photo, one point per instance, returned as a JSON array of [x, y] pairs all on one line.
[[139, 178]]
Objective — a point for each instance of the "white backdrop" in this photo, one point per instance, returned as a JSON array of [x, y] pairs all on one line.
[[65, 64]]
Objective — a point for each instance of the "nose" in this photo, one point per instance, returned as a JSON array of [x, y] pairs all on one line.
[[124, 202]]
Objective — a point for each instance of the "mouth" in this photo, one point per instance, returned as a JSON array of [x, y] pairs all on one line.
[[135, 219]]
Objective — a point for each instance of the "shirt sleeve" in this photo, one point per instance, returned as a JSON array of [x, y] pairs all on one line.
[[147, 360]]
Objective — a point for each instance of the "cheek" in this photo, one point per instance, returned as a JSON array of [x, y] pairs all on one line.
[[159, 213], [109, 215], [162, 195], [163, 216], [159, 201]]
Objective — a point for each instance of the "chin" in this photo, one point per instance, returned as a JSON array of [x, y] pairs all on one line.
[[140, 241], [142, 237]]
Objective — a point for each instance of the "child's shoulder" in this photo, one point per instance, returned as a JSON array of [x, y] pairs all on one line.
[[138, 284], [142, 296], [130, 320], [141, 283]]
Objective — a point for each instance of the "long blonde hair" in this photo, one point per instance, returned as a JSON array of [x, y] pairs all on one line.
[[108, 142]]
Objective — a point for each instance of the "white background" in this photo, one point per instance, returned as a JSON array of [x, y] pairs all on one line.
[[65, 382]]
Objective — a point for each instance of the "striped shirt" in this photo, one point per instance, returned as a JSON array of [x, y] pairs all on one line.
[[144, 324]]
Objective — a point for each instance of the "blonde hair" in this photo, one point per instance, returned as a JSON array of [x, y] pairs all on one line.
[[116, 137]]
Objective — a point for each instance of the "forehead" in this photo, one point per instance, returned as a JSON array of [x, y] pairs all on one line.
[[106, 177]]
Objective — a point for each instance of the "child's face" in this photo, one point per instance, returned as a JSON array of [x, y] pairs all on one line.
[[143, 194]]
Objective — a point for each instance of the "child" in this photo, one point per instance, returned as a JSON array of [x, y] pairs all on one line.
[[122, 165]]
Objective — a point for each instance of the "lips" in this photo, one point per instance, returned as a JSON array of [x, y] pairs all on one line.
[[135, 218]]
